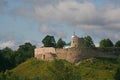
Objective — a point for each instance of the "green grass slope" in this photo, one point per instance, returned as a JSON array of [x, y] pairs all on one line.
[[98, 69], [92, 69]]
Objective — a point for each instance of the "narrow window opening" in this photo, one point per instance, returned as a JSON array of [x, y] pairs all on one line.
[[43, 57]]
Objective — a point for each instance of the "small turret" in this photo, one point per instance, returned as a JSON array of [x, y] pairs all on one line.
[[76, 41], [74, 35]]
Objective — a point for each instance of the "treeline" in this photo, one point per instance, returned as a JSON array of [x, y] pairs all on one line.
[[109, 43], [10, 58], [49, 41]]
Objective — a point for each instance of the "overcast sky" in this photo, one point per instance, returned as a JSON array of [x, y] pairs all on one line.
[[31, 20]]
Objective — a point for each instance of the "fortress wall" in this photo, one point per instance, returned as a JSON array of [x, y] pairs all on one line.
[[44, 50], [99, 52], [61, 53], [44, 53], [80, 42], [39, 56], [87, 53], [75, 54], [48, 56], [109, 52]]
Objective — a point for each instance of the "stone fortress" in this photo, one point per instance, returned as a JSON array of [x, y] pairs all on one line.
[[74, 52]]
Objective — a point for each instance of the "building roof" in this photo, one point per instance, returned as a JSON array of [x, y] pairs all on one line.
[[68, 44], [74, 35]]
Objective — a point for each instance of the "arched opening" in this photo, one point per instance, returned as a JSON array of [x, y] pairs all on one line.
[[43, 57]]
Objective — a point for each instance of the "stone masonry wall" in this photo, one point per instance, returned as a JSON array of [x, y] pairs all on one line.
[[74, 54], [46, 53], [70, 55], [108, 52]]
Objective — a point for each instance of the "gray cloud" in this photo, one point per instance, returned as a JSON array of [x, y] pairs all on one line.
[[12, 41], [115, 1], [46, 30], [10, 44], [42, 2], [7, 40], [2, 4], [101, 22]]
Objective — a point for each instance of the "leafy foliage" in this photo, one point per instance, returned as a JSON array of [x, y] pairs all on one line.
[[24, 52], [60, 43], [117, 44], [10, 59], [88, 42], [6, 59], [106, 43], [49, 41], [117, 75]]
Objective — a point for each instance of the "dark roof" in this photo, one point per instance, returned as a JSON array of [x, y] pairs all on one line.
[[68, 44]]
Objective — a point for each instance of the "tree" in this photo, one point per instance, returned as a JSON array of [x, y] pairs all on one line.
[[24, 52], [49, 41], [10, 59], [106, 43], [88, 42], [117, 74], [6, 59], [117, 44], [60, 43]]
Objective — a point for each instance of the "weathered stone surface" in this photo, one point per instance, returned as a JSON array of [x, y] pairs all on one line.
[[74, 54]]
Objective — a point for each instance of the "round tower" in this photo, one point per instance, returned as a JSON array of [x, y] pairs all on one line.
[[74, 41]]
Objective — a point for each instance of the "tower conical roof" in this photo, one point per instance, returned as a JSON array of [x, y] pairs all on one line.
[[74, 35]]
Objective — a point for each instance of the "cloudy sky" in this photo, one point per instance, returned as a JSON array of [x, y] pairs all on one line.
[[31, 20]]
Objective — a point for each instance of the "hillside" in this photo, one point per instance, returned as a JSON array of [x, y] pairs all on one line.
[[92, 69]]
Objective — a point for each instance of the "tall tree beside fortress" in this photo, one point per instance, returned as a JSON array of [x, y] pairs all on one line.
[[106, 43], [49, 41], [117, 44], [88, 42], [24, 52], [60, 43]]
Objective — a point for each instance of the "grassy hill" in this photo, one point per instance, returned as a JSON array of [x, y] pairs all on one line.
[[92, 69]]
